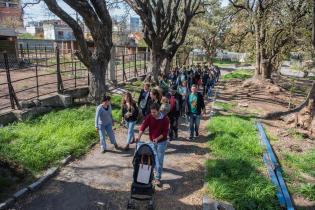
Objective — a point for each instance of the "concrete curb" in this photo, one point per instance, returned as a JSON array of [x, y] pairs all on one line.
[[50, 173], [35, 185], [66, 160], [6, 204], [21, 193]]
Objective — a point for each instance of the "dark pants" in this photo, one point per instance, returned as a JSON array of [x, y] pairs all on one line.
[[183, 107], [173, 132], [204, 89]]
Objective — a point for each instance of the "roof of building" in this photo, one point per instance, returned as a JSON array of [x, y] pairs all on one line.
[[4, 31]]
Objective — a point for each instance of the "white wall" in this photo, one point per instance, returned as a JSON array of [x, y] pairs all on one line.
[[49, 31], [30, 30]]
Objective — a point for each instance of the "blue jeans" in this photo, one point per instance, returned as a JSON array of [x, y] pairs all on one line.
[[209, 92], [159, 158], [159, 151], [131, 131], [194, 123], [110, 133]]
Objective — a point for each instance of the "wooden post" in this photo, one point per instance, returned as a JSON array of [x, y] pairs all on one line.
[[136, 73], [59, 79], [37, 89], [46, 59], [124, 73], [111, 67], [28, 52], [62, 49], [21, 50], [12, 95], [75, 74], [145, 60], [36, 55]]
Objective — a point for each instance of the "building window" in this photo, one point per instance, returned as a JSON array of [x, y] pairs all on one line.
[[60, 35]]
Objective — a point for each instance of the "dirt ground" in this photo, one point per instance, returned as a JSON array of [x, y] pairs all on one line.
[[24, 81], [259, 101], [102, 181]]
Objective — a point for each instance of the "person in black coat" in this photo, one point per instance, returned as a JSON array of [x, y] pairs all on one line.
[[129, 112], [143, 99], [175, 101]]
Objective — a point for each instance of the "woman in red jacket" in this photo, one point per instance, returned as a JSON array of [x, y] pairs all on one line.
[[158, 131]]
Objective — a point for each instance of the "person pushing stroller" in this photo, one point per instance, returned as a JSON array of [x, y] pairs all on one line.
[[158, 131]]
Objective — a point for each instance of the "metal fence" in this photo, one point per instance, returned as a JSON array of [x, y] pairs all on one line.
[[40, 72]]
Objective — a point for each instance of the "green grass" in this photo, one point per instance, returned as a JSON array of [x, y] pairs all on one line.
[[223, 63], [134, 89], [297, 163], [242, 74], [301, 162], [41, 142], [307, 190], [225, 106], [235, 173]]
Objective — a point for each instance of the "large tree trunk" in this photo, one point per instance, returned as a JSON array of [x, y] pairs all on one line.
[[97, 87], [257, 69], [266, 68], [305, 118], [313, 26], [166, 65], [157, 59]]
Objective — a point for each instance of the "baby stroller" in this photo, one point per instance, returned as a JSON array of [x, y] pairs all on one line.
[[143, 163]]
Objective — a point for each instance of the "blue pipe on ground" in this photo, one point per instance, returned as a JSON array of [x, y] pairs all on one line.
[[274, 170]]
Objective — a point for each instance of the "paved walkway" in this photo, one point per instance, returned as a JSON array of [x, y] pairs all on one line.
[[102, 181]]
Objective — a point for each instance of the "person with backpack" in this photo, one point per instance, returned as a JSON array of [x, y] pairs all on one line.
[[104, 122], [129, 112], [195, 106], [144, 98], [173, 115], [158, 131]]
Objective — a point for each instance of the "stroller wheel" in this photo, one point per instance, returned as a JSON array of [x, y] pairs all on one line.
[[131, 205]]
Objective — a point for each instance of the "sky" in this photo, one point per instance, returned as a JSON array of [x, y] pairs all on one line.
[[40, 12]]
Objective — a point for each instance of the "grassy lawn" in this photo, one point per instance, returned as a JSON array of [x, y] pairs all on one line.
[[225, 106], [236, 172], [40, 142], [223, 63], [299, 169], [242, 74]]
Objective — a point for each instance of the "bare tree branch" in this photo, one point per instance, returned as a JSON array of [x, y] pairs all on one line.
[[77, 30]]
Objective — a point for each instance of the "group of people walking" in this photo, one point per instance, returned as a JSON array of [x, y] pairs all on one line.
[[177, 95]]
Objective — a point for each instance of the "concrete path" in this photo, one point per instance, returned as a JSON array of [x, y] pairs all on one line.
[[102, 181]]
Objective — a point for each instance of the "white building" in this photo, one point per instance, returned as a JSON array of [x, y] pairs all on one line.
[[58, 32]]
